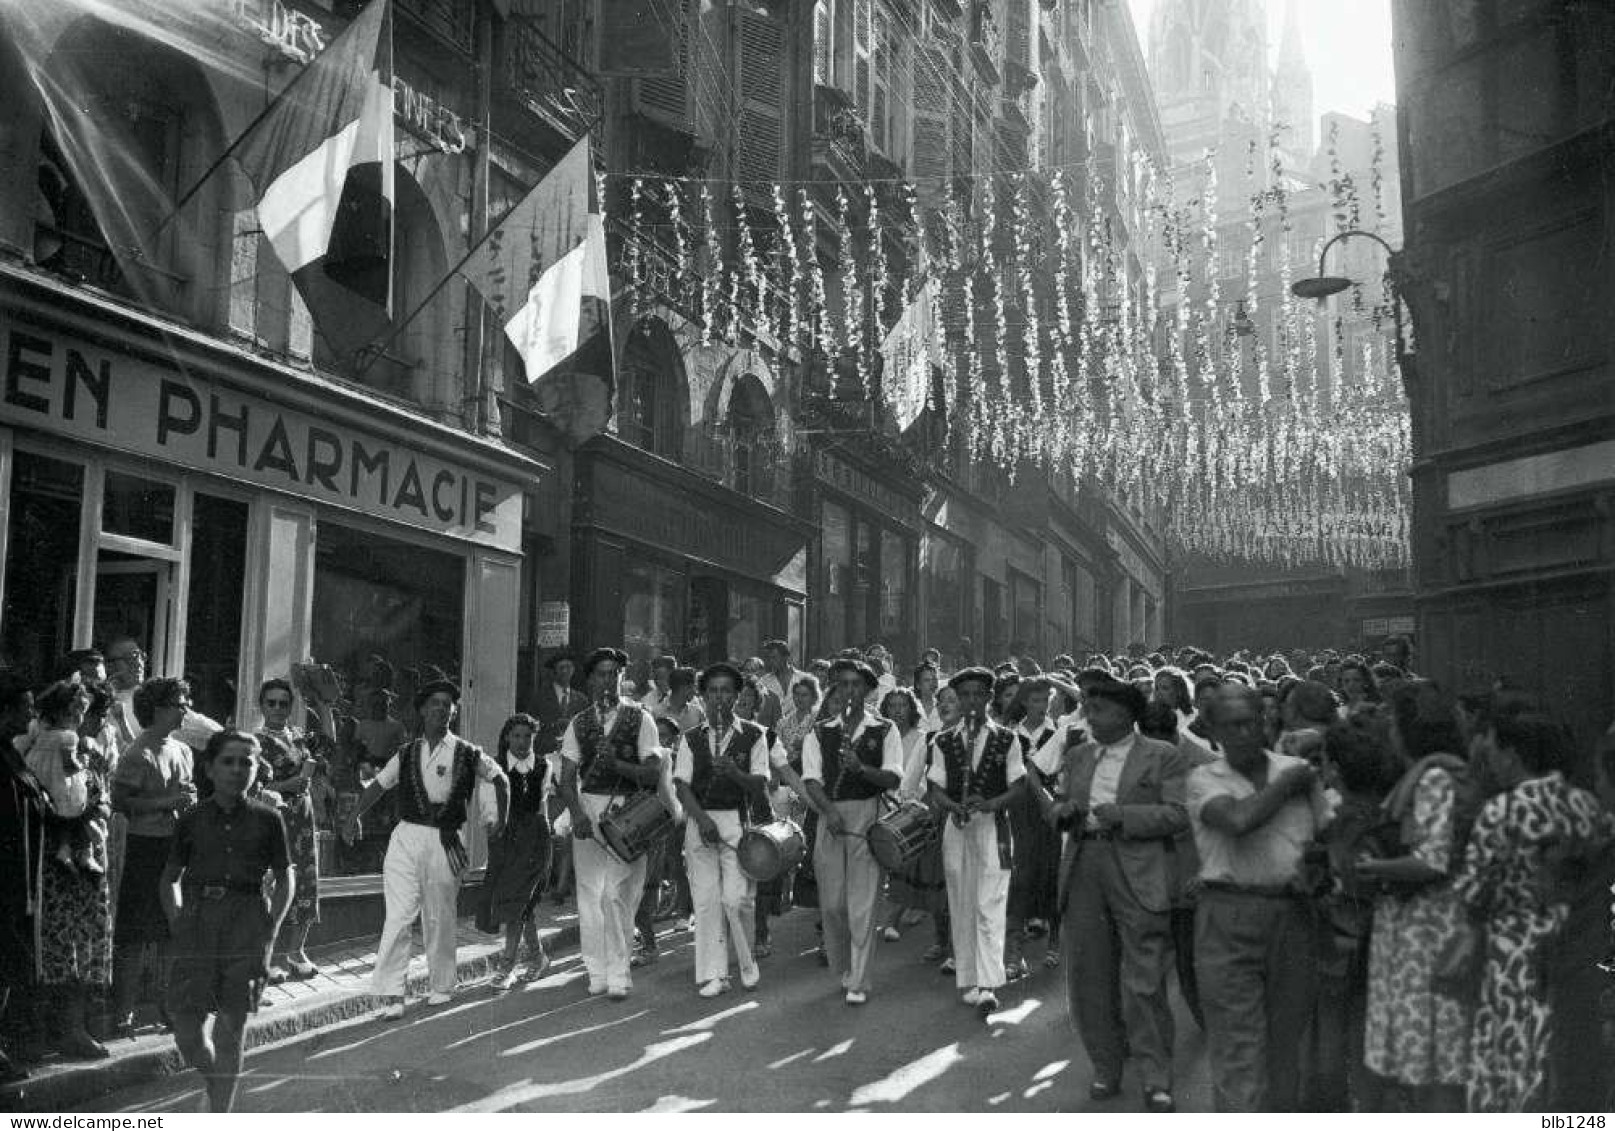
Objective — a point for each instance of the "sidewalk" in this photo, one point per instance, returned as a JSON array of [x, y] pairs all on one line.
[[340, 992]]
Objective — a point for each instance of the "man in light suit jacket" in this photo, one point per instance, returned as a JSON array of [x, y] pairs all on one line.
[[1121, 800]]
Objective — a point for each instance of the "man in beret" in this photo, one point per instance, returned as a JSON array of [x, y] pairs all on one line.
[[721, 773], [848, 761], [426, 856], [975, 774], [1121, 798], [609, 755]]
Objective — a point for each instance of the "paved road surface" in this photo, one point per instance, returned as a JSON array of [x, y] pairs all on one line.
[[793, 1045]]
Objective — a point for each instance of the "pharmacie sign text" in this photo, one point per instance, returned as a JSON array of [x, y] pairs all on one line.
[[132, 405]]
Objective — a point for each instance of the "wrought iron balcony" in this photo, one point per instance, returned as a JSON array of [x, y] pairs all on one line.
[[544, 80], [986, 42], [838, 134]]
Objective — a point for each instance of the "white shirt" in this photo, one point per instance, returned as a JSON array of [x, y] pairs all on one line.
[[436, 765], [1107, 775], [891, 752], [754, 761], [655, 700], [1014, 764], [1047, 757], [915, 759], [768, 681], [524, 765], [646, 743]]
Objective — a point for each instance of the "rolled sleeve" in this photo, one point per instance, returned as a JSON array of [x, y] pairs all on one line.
[[1015, 764], [684, 762], [487, 769], [812, 759], [1202, 787], [891, 752], [1047, 757], [650, 746], [387, 776]]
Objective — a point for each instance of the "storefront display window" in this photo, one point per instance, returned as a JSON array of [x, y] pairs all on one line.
[[837, 567], [213, 605], [387, 615], [653, 609], [944, 580], [747, 620], [138, 508], [41, 565], [1024, 600], [893, 587]]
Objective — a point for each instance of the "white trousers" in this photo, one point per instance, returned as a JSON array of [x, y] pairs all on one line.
[[416, 880], [978, 899], [725, 899], [608, 896], [849, 888]]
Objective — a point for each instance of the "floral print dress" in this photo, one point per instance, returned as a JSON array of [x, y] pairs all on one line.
[[1413, 1034], [284, 752], [1502, 880]]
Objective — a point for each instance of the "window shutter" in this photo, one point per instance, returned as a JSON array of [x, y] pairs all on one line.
[[863, 35], [933, 99], [760, 132], [821, 43], [667, 100]]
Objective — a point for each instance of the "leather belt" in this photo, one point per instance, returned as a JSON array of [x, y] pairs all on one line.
[[1096, 834], [222, 888], [1260, 891]]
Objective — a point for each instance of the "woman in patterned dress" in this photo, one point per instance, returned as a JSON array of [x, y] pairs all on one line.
[[1415, 1035], [290, 759], [519, 860], [1508, 884]]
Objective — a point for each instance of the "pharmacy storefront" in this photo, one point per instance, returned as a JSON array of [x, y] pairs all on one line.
[[233, 517]]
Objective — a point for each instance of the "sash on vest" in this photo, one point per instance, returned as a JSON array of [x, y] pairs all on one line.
[[596, 745], [415, 807], [869, 747], [989, 779]]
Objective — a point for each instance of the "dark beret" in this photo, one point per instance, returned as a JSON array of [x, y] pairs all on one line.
[[433, 687], [722, 667], [972, 675], [850, 665], [601, 655], [776, 646]]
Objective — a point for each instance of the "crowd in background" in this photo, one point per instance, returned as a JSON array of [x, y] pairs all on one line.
[[1454, 892]]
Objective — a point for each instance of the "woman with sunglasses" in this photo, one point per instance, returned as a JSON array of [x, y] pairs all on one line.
[[292, 760]]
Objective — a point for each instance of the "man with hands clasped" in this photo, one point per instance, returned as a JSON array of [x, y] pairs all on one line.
[[721, 774], [976, 771], [1121, 800], [847, 762]]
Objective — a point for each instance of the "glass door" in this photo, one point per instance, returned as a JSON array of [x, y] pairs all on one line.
[[134, 599]]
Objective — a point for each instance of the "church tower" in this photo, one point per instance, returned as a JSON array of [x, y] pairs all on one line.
[[1292, 87], [1208, 64]]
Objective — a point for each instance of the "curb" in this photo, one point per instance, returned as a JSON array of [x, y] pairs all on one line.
[[89, 1080]]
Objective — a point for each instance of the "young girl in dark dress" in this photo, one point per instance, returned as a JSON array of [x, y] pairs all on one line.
[[519, 860]]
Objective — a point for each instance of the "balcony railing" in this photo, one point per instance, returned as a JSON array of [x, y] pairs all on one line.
[[838, 133], [986, 42], [547, 82]]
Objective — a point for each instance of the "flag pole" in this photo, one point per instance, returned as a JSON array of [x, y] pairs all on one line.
[[400, 327]]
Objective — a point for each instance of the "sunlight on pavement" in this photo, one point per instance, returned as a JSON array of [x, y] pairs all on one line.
[[527, 1091], [394, 1028], [910, 1076], [1036, 1088], [1051, 1070], [484, 1034], [834, 1051], [269, 1087], [707, 1024], [1014, 1016], [543, 1042], [994, 1101], [674, 1105], [795, 1056]]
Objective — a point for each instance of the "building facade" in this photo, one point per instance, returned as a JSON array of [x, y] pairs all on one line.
[[1505, 132]]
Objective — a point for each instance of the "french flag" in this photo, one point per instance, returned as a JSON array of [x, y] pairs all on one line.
[[321, 163]]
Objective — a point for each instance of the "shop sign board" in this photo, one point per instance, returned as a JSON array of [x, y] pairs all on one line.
[[73, 389], [865, 488]]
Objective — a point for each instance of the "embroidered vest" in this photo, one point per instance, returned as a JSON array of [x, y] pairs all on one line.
[[711, 790], [413, 804], [990, 778], [594, 744], [869, 748], [526, 790]]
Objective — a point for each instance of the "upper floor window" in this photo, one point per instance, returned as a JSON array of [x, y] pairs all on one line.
[[650, 392], [755, 440]]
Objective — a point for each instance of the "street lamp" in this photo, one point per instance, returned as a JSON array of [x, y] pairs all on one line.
[[1322, 285]]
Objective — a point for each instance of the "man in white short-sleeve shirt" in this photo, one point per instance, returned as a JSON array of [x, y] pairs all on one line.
[[847, 763], [609, 753], [436, 776]]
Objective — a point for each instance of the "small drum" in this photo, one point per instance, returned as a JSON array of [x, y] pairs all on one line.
[[767, 852], [631, 831], [899, 836]]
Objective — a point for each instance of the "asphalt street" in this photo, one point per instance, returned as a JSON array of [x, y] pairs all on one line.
[[793, 1045]]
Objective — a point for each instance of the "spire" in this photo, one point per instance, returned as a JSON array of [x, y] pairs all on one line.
[[1292, 83]]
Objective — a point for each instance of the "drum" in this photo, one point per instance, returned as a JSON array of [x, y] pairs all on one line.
[[767, 852], [631, 831], [899, 836]]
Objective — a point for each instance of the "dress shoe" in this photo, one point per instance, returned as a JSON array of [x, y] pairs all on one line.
[[1099, 1091], [537, 967], [1159, 1100], [439, 999], [713, 988], [617, 993], [987, 1003]]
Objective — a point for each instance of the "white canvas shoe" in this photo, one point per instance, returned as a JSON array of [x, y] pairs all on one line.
[[439, 999]]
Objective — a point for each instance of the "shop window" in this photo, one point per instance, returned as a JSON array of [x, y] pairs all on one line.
[[36, 622], [756, 443], [994, 624], [653, 609], [213, 605], [836, 587], [650, 392], [747, 620], [945, 593], [1024, 599], [138, 508], [865, 583], [387, 615]]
